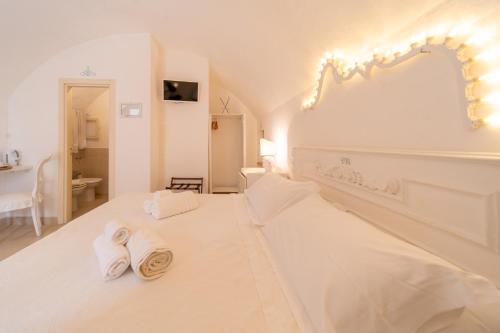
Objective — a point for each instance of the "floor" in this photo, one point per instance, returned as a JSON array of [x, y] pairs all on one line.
[[84, 207], [17, 233]]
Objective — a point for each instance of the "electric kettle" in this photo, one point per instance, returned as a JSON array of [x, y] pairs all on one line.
[[11, 157]]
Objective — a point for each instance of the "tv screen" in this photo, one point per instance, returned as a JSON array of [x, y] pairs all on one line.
[[181, 91]]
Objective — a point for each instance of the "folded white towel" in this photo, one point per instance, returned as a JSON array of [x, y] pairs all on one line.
[[148, 205], [113, 258], [160, 194], [116, 232], [174, 204], [149, 254]]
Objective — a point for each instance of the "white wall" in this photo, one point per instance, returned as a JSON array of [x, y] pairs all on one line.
[[34, 110], [156, 114], [236, 106], [3, 127], [184, 126]]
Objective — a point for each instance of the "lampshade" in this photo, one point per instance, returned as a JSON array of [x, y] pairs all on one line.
[[267, 148]]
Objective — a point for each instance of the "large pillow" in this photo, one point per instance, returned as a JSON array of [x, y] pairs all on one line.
[[273, 193], [351, 277]]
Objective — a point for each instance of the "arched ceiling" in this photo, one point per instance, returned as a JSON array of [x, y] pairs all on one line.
[[265, 51]]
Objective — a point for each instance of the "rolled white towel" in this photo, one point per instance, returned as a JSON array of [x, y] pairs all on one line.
[[160, 194], [116, 232], [174, 204], [113, 258], [149, 254], [148, 205]]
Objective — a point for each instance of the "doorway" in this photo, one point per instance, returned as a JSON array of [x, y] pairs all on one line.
[[227, 152], [86, 146]]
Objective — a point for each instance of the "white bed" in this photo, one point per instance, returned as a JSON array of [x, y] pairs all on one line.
[[220, 279], [224, 278]]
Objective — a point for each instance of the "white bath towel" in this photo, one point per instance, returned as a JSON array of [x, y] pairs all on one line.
[[82, 129], [174, 204], [116, 232], [149, 254], [148, 205], [113, 258], [160, 194], [75, 131]]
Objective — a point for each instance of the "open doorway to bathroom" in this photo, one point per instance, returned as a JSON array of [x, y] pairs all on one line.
[[86, 163]]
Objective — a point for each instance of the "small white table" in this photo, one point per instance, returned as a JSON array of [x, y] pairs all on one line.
[[17, 168], [248, 176]]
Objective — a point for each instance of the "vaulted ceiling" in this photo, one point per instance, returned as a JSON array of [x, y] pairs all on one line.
[[265, 51]]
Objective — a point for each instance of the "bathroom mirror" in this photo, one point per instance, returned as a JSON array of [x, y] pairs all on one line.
[[92, 129], [131, 110]]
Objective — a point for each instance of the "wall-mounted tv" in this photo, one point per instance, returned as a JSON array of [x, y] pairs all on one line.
[[180, 91]]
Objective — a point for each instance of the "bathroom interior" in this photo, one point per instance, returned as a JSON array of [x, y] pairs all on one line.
[[90, 148]]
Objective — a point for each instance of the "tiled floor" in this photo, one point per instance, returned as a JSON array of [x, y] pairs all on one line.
[[17, 233], [84, 207]]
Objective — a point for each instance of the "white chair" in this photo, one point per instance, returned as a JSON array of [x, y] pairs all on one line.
[[14, 201]]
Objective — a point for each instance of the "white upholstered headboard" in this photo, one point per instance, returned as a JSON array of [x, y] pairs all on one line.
[[445, 202]]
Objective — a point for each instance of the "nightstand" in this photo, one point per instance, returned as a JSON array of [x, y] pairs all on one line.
[[248, 176]]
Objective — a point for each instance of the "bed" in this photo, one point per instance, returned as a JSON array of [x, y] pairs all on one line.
[[220, 279], [228, 274]]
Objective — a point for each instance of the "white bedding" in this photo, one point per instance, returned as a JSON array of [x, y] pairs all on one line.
[[220, 279]]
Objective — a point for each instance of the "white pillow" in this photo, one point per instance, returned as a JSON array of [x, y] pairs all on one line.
[[272, 193], [351, 277]]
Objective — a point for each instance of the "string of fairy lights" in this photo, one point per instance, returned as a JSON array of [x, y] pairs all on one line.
[[474, 47]]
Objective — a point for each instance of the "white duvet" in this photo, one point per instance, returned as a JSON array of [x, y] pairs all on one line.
[[219, 280]]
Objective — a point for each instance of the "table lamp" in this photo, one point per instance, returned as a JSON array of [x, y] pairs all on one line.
[[267, 151]]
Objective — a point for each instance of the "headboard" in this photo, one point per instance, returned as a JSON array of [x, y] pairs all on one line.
[[445, 202]]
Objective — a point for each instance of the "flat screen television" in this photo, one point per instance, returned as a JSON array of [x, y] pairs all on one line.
[[180, 91]]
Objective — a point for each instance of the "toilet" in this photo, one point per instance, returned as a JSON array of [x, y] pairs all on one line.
[[77, 188], [91, 183]]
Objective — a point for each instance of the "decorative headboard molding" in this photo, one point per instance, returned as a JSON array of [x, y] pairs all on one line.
[[445, 202]]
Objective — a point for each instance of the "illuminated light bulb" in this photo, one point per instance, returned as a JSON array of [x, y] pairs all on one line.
[[471, 111], [436, 35], [388, 57], [480, 38], [378, 55], [418, 41], [493, 119], [478, 88], [466, 54], [461, 30], [470, 91], [318, 76], [338, 54], [453, 43], [328, 56], [474, 70], [367, 58], [493, 99], [489, 55], [401, 50], [493, 77]]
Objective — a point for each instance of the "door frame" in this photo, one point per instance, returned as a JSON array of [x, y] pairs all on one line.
[[64, 178], [213, 116]]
